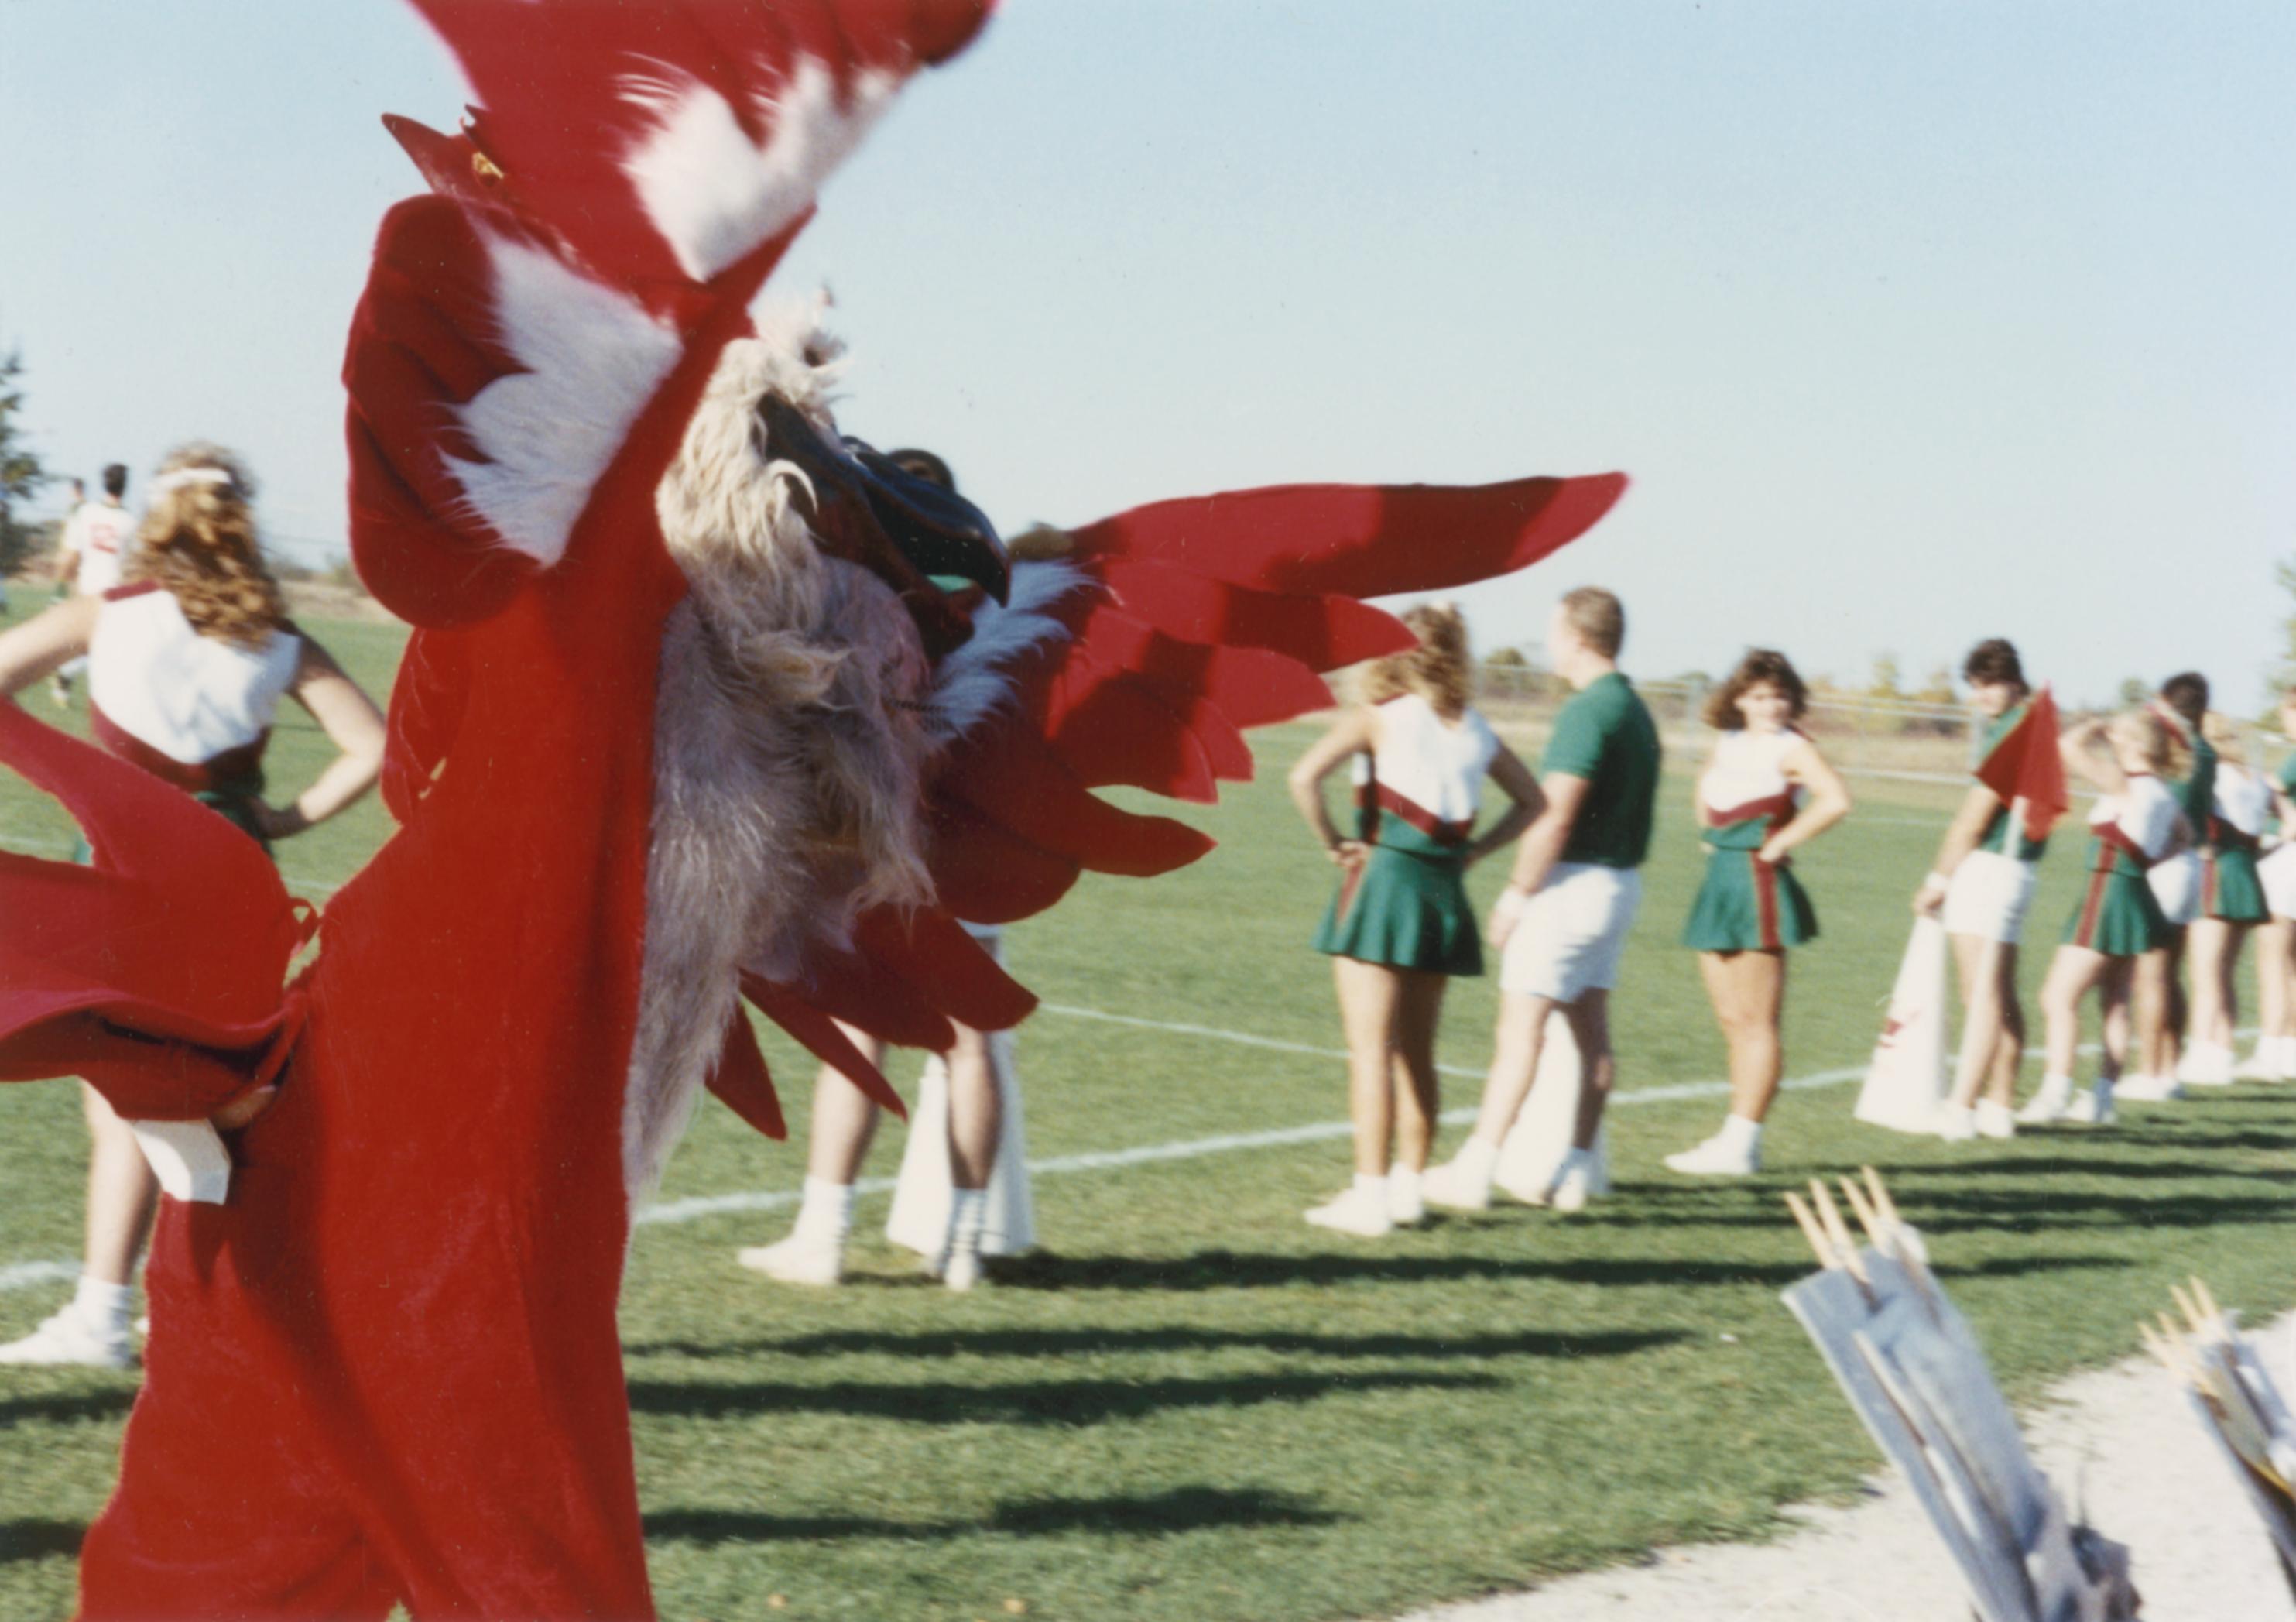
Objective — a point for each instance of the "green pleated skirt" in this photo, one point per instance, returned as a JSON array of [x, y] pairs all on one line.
[[2118, 915], [1745, 906], [2230, 889], [1406, 910]]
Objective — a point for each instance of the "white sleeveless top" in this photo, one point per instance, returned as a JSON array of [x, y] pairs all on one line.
[[186, 696], [1438, 769], [2145, 811], [1747, 768], [2244, 798]]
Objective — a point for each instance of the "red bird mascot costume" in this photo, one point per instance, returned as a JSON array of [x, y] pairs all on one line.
[[689, 710]]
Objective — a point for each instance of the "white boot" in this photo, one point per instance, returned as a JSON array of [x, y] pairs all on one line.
[[1406, 1205], [1994, 1120], [2206, 1064], [2149, 1089], [1734, 1152], [2050, 1103], [1578, 1181], [1463, 1182], [2287, 1051], [1956, 1124], [2262, 1063], [90, 1330], [814, 1253], [2094, 1108], [1361, 1211]]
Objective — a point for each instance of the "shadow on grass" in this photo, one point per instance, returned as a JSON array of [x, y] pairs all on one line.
[[1187, 1509], [65, 1410], [2061, 1166], [1228, 1270], [1176, 1337], [29, 1540], [1065, 1403]]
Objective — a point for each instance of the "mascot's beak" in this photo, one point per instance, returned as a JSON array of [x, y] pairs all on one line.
[[900, 528]]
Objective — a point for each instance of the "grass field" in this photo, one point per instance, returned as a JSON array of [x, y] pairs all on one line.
[[1194, 1406]]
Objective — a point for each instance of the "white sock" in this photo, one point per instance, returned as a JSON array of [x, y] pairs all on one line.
[[2287, 1052], [968, 1214], [1370, 1187], [103, 1306], [1738, 1135], [1478, 1157], [1403, 1182], [827, 1210], [2056, 1086]]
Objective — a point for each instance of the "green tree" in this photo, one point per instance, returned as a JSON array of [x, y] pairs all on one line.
[[2134, 692], [1884, 684], [1509, 658], [21, 472], [2283, 673]]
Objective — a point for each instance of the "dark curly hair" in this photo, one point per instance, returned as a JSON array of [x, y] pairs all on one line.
[[1995, 660], [1759, 665]]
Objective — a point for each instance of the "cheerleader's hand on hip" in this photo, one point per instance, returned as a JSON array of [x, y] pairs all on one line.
[[1929, 898], [1349, 854], [1506, 911]]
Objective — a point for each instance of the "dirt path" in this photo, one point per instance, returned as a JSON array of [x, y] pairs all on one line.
[[2122, 1441]]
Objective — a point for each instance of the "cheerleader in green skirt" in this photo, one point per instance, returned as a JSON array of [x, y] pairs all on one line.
[[2114, 938], [1400, 924], [1766, 789], [2232, 903], [2274, 1058]]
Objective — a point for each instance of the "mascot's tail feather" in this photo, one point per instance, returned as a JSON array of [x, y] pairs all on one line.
[[158, 972]]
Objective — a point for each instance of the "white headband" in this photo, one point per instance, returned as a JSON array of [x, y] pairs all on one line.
[[181, 477]]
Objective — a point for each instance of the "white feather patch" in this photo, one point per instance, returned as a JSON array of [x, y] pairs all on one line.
[[715, 195], [591, 360], [969, 684]]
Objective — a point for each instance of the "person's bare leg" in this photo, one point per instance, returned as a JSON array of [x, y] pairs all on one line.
[[1463, 1182], [2206, 940], [837, 1143], [1758, 1056], [2072, 972], [122, 1193], [1978, 961], [2159, 1031], [2273, 1003], [1369, 994], [976, 1117], [976, 1110], [1417, 1088], [1590, 1027], [2009, 1043]]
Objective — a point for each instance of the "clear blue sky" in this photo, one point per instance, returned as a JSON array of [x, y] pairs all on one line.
[[1913, 323]]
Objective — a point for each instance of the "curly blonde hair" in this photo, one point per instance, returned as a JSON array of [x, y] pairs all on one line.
[[198, 544], [1438, 669], [2162, 748]]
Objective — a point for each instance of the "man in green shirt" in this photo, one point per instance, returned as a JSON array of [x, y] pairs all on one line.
[[1571, 898]]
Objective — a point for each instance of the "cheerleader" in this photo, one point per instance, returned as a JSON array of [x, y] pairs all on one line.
[[2176, 880], [2232, 902], [2275, 1058], [1400, 925], [1766, 790], [187, 660], [2113, 940]]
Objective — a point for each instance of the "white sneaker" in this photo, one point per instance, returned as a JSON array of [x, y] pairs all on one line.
[[2092, 1108], [1994, 1120], [1455, 1187], [1956, 1126], [1406, 1205], [2261, 1065], [1576, 1184], [2149, 1089], [2206, 1065], [961, 1271], [1717, 1159], [1356, 1211], [2053, 1102], [801, 1258], [66, 1337]]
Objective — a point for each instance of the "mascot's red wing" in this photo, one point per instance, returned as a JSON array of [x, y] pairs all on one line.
[[1196, 618], [155, 973]]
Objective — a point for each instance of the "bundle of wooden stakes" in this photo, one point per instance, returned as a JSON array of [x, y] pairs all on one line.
[[1918, 1379], [2238, 1404]]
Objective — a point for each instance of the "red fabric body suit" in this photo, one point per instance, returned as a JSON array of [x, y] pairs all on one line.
[[387, 1370]]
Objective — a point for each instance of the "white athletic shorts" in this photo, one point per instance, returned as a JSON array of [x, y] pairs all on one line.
[[2277, 870], [1567, 941], [1989, 897], [2176, 886]]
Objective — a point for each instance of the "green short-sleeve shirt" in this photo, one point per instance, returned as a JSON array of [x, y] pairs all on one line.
[[1997, 830], [1605, 735]]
